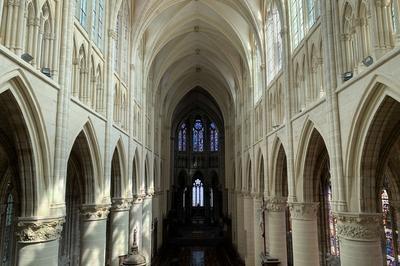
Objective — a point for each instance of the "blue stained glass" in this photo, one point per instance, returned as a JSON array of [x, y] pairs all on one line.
[[334, 241], [214, 145], [182, 138], [388, 228], [8, 230], [198, 135]]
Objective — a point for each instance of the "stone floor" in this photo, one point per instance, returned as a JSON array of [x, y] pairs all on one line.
[[196, 256]]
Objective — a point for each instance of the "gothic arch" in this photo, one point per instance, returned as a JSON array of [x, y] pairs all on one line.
[[311, 145], [279, 180], [136, 173], [86, 149], [365, 140], [33, 154], [249, 175], [260, 182], [119, 180]]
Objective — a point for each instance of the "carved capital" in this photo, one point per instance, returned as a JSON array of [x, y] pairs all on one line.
[[359, 226], [94, 212], [120, 204], [303, 210], [276, 204], [30, 231]]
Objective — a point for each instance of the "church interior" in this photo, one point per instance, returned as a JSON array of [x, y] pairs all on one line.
[[199, 132]]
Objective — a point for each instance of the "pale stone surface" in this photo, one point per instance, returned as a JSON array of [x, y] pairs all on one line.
[[120, 94]]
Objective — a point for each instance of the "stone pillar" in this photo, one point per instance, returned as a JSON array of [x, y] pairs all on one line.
[[93, 234], [119, 227], [147, 221], [276, 208], [38, 241], [135, 221], [360, 238], [305, 233]]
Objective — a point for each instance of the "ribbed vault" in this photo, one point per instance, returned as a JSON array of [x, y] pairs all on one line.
[[195, 43]]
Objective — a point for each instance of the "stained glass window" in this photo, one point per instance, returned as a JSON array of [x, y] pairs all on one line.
[[274, 43], [389, 229], [297, 22], [8, 232], [313, 11], [182, 138], [214, 141], [97, 22], [333, 239], [83, 12], [197, 194], [198, 136]]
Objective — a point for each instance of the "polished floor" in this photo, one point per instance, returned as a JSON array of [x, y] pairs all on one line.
[[196, 256]]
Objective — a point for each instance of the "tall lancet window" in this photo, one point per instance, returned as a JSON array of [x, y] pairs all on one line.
[[198, 136], [333, 239], [182, 138], [197, 194], [7, 233], [391, 245], [214, 141]]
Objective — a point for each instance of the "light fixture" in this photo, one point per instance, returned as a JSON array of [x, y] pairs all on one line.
[[27, 57], [46, 71], [347, 75], [368, 61]]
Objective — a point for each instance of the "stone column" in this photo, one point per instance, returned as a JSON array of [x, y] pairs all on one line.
[[360, 238], [276, 209], [135, 221], [93, 234], [305, 233], [38, 241], [119, 226]]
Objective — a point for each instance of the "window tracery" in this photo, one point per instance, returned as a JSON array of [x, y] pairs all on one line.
[[297, 22], [197, 194], [214, 142], [274, 43], [182, 137], [198, 136], [7, 228]]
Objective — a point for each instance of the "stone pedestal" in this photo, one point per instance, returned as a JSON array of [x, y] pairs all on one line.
[[119, 227], [38, 241], [276, 209], [93, 234], [360, 238], [305, 234]]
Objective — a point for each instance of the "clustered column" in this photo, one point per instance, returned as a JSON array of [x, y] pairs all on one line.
[[360, 238], [305, 233]]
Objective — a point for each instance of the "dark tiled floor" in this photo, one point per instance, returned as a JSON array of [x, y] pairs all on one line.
[[195, 256]]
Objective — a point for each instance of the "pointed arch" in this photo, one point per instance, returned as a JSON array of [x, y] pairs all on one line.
[[86, 150], [260, 172], [248, 174], [372, 139], [21, 111], [146, 174], [136, 173], [279, 184], [310, 147], [118, 174]]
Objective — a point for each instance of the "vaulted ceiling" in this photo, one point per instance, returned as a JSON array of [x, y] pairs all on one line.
[[196, 43]]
